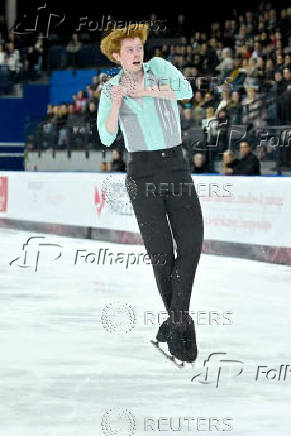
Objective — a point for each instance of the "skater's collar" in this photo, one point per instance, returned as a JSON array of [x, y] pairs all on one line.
[[115, 79]]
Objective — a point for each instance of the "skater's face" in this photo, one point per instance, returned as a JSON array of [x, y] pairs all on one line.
[[131, 54]]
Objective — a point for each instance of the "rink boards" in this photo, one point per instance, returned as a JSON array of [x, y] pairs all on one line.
[[244, 216]]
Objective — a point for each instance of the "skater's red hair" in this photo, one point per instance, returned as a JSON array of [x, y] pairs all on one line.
[[112, 42]]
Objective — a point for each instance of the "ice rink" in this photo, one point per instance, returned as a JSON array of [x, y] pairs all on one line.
[[76, 358]]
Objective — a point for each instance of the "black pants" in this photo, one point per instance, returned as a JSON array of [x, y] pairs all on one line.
[[166, 206]]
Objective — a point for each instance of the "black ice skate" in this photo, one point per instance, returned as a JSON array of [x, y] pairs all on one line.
[[164, 331], [182, 340]]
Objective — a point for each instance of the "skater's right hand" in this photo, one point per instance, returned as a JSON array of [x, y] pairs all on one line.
[[117, 93]]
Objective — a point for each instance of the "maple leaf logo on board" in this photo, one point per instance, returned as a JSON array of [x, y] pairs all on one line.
[[99, 200]]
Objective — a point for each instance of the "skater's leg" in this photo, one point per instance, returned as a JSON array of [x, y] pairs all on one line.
[[156, 233], [186, 221]]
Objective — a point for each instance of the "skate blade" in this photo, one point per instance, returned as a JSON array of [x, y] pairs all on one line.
[[163, 348]]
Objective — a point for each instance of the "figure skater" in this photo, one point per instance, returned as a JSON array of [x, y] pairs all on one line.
[[142, 100]]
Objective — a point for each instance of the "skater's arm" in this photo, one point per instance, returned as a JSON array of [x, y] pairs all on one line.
[[107, 118], [162, 91], [171, 77]]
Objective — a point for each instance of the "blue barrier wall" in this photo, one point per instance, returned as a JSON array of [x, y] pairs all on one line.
[[20, 115], [65, 83], [16, 112]]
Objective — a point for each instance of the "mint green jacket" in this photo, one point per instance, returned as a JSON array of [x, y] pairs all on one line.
[[147, 123]]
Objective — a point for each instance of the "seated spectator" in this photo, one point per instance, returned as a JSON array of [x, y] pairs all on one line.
[[235, 108], [72, 49], [2, 56], [208, 124], [287, 62], [251, 79], [117, 163], [13, 60], [31, 62], [209, 99], [278, 85], [229, 162], [226, 65], [269, 72], [80, 100], [223, 126], [92, 115], [287, 77], [254, 110], [248, 165], [226, 100], [284, 107], [197, 165], [198, 110], [72, 114], [187, 121], [61, 126]]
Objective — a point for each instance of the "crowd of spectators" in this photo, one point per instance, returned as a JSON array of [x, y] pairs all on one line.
[[240, 73], [20, 63], [70, 125]]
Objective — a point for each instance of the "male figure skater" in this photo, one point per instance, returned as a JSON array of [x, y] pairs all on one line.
[[142, 99]]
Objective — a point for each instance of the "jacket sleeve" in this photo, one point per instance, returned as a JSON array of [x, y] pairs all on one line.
[[168, 74], [104, 108]]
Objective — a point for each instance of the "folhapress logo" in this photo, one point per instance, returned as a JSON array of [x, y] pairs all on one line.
[[33, 250], [215, 367]]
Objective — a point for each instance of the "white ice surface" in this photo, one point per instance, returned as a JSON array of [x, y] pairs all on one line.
[[61, 370]]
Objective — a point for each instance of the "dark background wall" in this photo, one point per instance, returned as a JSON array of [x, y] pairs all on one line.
[[199, 14]]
